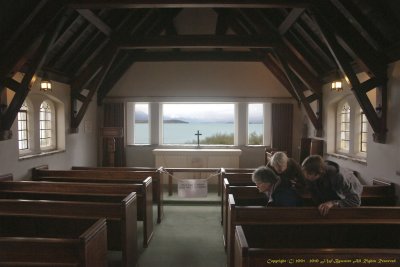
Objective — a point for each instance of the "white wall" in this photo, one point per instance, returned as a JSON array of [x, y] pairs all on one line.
[[202, 81], [80, 148], [383, 160]]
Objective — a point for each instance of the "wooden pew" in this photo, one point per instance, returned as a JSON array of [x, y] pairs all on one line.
[[143, 188], [254, 248], [372, 195], [120, 212], [6, 177], [242, 177], [46, 240], [224, 171], [153, 172], [309, 226]]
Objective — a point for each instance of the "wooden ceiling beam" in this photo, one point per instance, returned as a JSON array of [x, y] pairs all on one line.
[[290, 20], [298, 66], [375, 117], [96, 21], [198, 41], [99, 4], [374, 61], [126, 58], [159, 56], [36, 61]]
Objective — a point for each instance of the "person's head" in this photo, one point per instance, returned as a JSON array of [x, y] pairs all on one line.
[[313, 167], [264, 178], [279, 162]]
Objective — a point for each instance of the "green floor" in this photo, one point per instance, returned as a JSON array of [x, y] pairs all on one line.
[[189, 236]]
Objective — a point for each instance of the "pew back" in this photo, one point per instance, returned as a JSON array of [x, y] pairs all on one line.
[[336, 246], [305, 217], [49, 241], [153, 172], [144, 191], [120, 215]]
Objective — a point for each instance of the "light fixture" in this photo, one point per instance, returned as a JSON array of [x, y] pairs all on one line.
[[45, 83], [337, 86]]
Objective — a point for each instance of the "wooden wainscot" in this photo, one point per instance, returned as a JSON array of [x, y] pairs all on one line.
[[119, 209], [144, 188], [49, 241]]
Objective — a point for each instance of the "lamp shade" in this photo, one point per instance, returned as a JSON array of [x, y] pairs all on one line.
[[337, 86], [45, 83]]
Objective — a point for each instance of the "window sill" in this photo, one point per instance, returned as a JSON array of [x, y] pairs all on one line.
[[348, 157], [42, 154]]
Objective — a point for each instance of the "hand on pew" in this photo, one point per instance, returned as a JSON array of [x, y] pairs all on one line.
[[326, 206]]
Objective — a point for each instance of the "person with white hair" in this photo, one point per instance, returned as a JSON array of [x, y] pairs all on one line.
[[288, 170]]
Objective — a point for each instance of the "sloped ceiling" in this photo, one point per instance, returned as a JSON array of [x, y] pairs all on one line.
[[90, 44]]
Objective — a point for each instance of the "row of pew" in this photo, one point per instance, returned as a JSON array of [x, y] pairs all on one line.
[[75, 217], [256, 236]]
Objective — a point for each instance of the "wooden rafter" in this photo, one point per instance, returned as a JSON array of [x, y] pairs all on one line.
[[238, 56], [351, 39], [297, 66], [198, 41], [375, 116], [93, 76], [294, 85], [127, 58], [22, 89], [188, 4], [290, 20], [77, 115]]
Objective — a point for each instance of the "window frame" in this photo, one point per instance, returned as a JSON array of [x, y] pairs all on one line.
[[354, 127]]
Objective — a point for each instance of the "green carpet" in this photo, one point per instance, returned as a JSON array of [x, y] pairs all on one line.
[[189, 236]]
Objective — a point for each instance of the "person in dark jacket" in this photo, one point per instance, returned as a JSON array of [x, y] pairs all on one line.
[[279, 194], [328, 187], [288, 170]]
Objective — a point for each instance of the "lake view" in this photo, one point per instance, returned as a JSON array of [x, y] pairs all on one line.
[[182, 133]]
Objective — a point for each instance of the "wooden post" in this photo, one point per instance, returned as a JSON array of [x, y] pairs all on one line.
[[110, 133]]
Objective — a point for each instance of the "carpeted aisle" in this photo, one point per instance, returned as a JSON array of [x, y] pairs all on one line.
[[189, 236]]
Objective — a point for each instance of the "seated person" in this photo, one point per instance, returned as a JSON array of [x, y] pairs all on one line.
[[278, 193], [328, 187], [288, 170]]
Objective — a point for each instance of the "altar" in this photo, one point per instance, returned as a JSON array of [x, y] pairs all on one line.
[[206, 161]]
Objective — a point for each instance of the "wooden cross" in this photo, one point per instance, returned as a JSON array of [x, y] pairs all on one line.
[[198, 137]]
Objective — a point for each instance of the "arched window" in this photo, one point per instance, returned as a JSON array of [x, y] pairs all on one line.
[[345, 127], [363, 132], [23, 128], [47, 127]]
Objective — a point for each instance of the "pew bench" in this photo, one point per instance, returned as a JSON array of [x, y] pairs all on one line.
[[143, 189], [75, 192], [242, 177], [143, 172], [317, 245], [6, 177], [49, 241], [120, 214], [307, 223]]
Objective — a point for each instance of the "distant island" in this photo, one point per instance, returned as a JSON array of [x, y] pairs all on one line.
[[165, 121], [174, 121]]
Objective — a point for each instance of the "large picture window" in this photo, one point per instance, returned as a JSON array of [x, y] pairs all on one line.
[[142, 126], [255, 124], [213, 122]]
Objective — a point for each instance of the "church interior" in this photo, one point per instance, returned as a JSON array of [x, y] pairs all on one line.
[[89, 176]]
